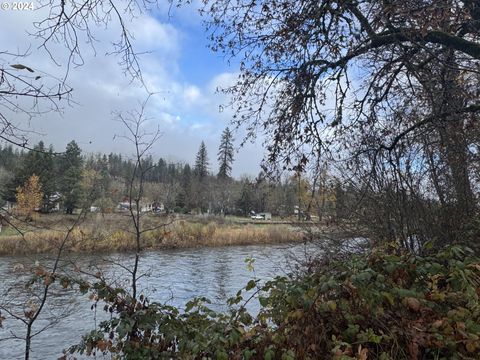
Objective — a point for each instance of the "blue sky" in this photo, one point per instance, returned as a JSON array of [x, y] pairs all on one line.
[[179, 67], [198, 63]]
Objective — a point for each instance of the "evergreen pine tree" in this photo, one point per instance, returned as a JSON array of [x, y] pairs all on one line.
[[245, 202], [201, 162], [183, 199], [225, 154], [70, 173]]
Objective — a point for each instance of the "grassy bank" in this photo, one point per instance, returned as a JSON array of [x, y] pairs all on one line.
[[113, 232]]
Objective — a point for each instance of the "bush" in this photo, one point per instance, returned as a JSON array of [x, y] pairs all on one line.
[[384, 305], [381, 306]]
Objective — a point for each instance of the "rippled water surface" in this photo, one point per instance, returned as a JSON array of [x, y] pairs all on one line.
[[172, 276]]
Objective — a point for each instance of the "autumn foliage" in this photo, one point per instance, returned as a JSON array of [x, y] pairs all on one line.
[[29, 197]]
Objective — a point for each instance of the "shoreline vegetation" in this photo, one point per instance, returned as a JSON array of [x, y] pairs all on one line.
[[113, 233]]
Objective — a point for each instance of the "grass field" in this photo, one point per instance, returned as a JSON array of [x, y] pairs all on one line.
[[115, 232]]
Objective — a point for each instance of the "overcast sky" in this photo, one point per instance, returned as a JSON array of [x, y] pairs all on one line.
[[178, 67]]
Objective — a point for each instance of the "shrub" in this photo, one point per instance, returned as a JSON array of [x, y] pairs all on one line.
[[380, 306]]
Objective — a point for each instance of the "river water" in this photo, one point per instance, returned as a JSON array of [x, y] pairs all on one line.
[[171, 276]]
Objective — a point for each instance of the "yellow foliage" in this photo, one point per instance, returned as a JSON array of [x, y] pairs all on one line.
[[29, 197], [90, 178]]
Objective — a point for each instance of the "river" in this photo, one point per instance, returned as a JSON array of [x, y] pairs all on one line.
[[172, 276]]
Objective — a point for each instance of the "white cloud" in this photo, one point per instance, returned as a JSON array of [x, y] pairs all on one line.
[[187, 113], [151, 34], [192, 94], [169, 119]]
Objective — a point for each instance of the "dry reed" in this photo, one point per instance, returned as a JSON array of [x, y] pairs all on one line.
[[112, 234]]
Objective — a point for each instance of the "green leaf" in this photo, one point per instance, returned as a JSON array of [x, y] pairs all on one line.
[[247, 353], [363, 277], [389, 297], [221, 355], [189, 306], [289, 355], [251, 284], [269, 354]]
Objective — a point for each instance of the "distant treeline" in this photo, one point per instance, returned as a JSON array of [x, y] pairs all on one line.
[[71, 180]]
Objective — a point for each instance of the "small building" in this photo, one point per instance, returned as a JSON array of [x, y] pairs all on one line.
[[266, 215], [148, 207], [123, 206], [261, 216], [144, 206], [54, 202]]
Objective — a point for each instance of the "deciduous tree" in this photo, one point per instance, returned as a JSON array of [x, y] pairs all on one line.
[[29, 197], [390, 87]]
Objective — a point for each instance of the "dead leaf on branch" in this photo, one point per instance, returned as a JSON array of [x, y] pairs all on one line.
[[21, 67]]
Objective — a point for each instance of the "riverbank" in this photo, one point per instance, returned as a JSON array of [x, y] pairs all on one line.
[[114, 232]]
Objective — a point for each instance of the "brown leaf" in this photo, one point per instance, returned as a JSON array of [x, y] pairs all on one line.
[[437, 324], [362, 353], [102, 345], [48, 280], [471, 346], [413, 303], [21, 67], [413, 350]]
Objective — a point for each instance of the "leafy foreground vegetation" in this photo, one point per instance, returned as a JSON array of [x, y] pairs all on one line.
[[384, 305]]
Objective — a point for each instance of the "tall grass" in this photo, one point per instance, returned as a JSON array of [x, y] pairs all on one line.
[[112, 234], [186, 234]]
